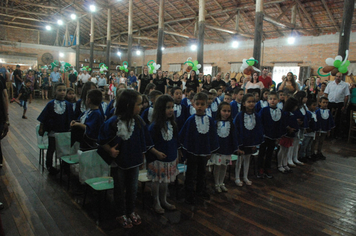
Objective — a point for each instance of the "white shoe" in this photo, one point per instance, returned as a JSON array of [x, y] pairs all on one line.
[[217, 188], [223, 188], [299, 163], [291, 164], [248, 182], [239, 183]]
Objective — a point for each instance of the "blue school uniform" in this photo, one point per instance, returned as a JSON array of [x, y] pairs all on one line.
[[291, 121], [273, 122], [227, 138], [56, 116], [260, 104], [235, 108], [215, 104], [147, 115], [80, 108], [93, 120], [164, 141], [301, 114], [312, 121], [180, 114], [249, 129], [198, 135], [280, 105], [186, 102], [190, 111], [325, 120], [132, 141]]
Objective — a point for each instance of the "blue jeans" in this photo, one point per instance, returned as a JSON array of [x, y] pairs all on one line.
[[23, 104], [18, 87], [125, 189], [306, 147]]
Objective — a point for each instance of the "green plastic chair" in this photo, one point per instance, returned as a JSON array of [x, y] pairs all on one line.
[[42, 144], [66, 153]]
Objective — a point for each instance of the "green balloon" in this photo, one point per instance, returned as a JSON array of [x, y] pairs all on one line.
[[343, 69], [126, 70], [347, 63], [337, 63], [195, 68], [195, 62], [250, 63]]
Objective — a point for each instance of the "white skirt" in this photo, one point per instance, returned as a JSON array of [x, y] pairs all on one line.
[[218, 159], [162, 172]]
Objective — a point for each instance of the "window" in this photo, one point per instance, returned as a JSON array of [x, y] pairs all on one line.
[[175, 67], [235, 67], [208, 69], [281, 69]]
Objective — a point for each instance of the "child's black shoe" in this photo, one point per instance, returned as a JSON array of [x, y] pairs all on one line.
[[313, 157]]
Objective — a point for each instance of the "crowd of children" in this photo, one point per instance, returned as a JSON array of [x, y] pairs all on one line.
[[167, 129]]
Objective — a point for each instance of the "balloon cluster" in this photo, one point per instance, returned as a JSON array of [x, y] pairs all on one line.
[[248, 66], [45, 67], [103, 68], [335, 65], [152, 66], [192, 65], [55, 63], [65, 66], [86, 68], [124, 66]]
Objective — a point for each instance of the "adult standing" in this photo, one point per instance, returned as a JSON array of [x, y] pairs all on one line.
[[218, 82], [227, 79], [131, 78], [72, 79], [175, 82], [265, 79], [207, 83], [338, 94], [4, 117], [160, 82], [31, 77], [201, 77], [4, 73], [254, 84], [192, 82], [18, 79], [54, 78], [85, 77], [143, 80], [289, 83]]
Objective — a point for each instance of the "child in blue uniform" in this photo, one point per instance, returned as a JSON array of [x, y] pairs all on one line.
[[250, 134], [292, 128], [236, 104], [199, 139], [228, 145], [55, 118], [211, 111], [189, 94], [309, 136], [147, 114], [263, 101], [273, 125], [301, 115], [326, 124], [80, 106], [123, 140], [164, 133], [281, 97], [90, 121], [71, 97], [179, 109]]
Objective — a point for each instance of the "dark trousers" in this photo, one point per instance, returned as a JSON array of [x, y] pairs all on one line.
[[50, 151], [125, 189], [1, 157], [18, 87], [196, 166], [335, 109], [265, 154]]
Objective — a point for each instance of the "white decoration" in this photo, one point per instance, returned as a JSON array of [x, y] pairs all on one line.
[[325, 113], [249, 121], [202, 123], [167, 135], [276, 114], [59, 107], [123, 131], [223, 129]]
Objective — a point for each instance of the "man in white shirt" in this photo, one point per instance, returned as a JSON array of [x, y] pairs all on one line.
[[85, 77], [338, 93]]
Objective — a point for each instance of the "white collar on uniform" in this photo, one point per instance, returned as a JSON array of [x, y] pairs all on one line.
[[123, 131], [202, 123], [167, 135], [59, 107], [249, 121], [223, 128]]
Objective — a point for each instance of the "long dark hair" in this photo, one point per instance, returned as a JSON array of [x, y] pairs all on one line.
[[159, 115], [244, 99], [86, 88], [125, 105], [262, 92], [218, 115], [299, 96], [290, 104], [252, 80], [294, 83]]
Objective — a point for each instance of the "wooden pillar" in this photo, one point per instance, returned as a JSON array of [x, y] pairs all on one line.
[[38, 37], [237, 21], [201, 29], [108, 40], [91, 57], [294, 15], [345, 31], [77, 47], [258, 32], [129, 39], [160, 32]]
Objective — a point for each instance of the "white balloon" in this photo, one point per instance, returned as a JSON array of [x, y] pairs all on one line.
[[329, 61], [252, 58], [125, 66], [157, 66], [338, 58], [154, 64], [198, 66], [154, 71], [189, 59], [197, 71], [244, 61]]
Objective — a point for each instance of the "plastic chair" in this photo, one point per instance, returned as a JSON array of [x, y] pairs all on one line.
[[95, 173], [352, 126], [42, 144], [67, 153]]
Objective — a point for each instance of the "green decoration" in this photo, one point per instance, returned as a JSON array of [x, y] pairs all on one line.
[[337, 63], [326, 75]]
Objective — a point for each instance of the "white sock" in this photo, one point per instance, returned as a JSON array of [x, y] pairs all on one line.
[[222, 174], [246, 166], [217, 174], [238, 168]]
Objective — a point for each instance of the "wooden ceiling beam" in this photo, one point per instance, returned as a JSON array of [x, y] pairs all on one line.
[[284, 12], [312, 23], [228, 31], [27, 18], [26, 12], [330, 16]]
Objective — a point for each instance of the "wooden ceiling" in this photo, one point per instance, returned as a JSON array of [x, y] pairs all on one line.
[[313, 17]]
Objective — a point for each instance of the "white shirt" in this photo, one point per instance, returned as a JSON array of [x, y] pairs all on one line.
[[84, 78], [337, 92]]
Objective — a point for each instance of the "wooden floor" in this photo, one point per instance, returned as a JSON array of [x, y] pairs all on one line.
[[317, 199]]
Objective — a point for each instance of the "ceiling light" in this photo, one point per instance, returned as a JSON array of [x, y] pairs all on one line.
[[61, 54], [73, 16], [235, 44], [162, 48], [92, 8], [193, 47], [48, 27], [119, 53], [59, 22], [291, 40], [138, 52]]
